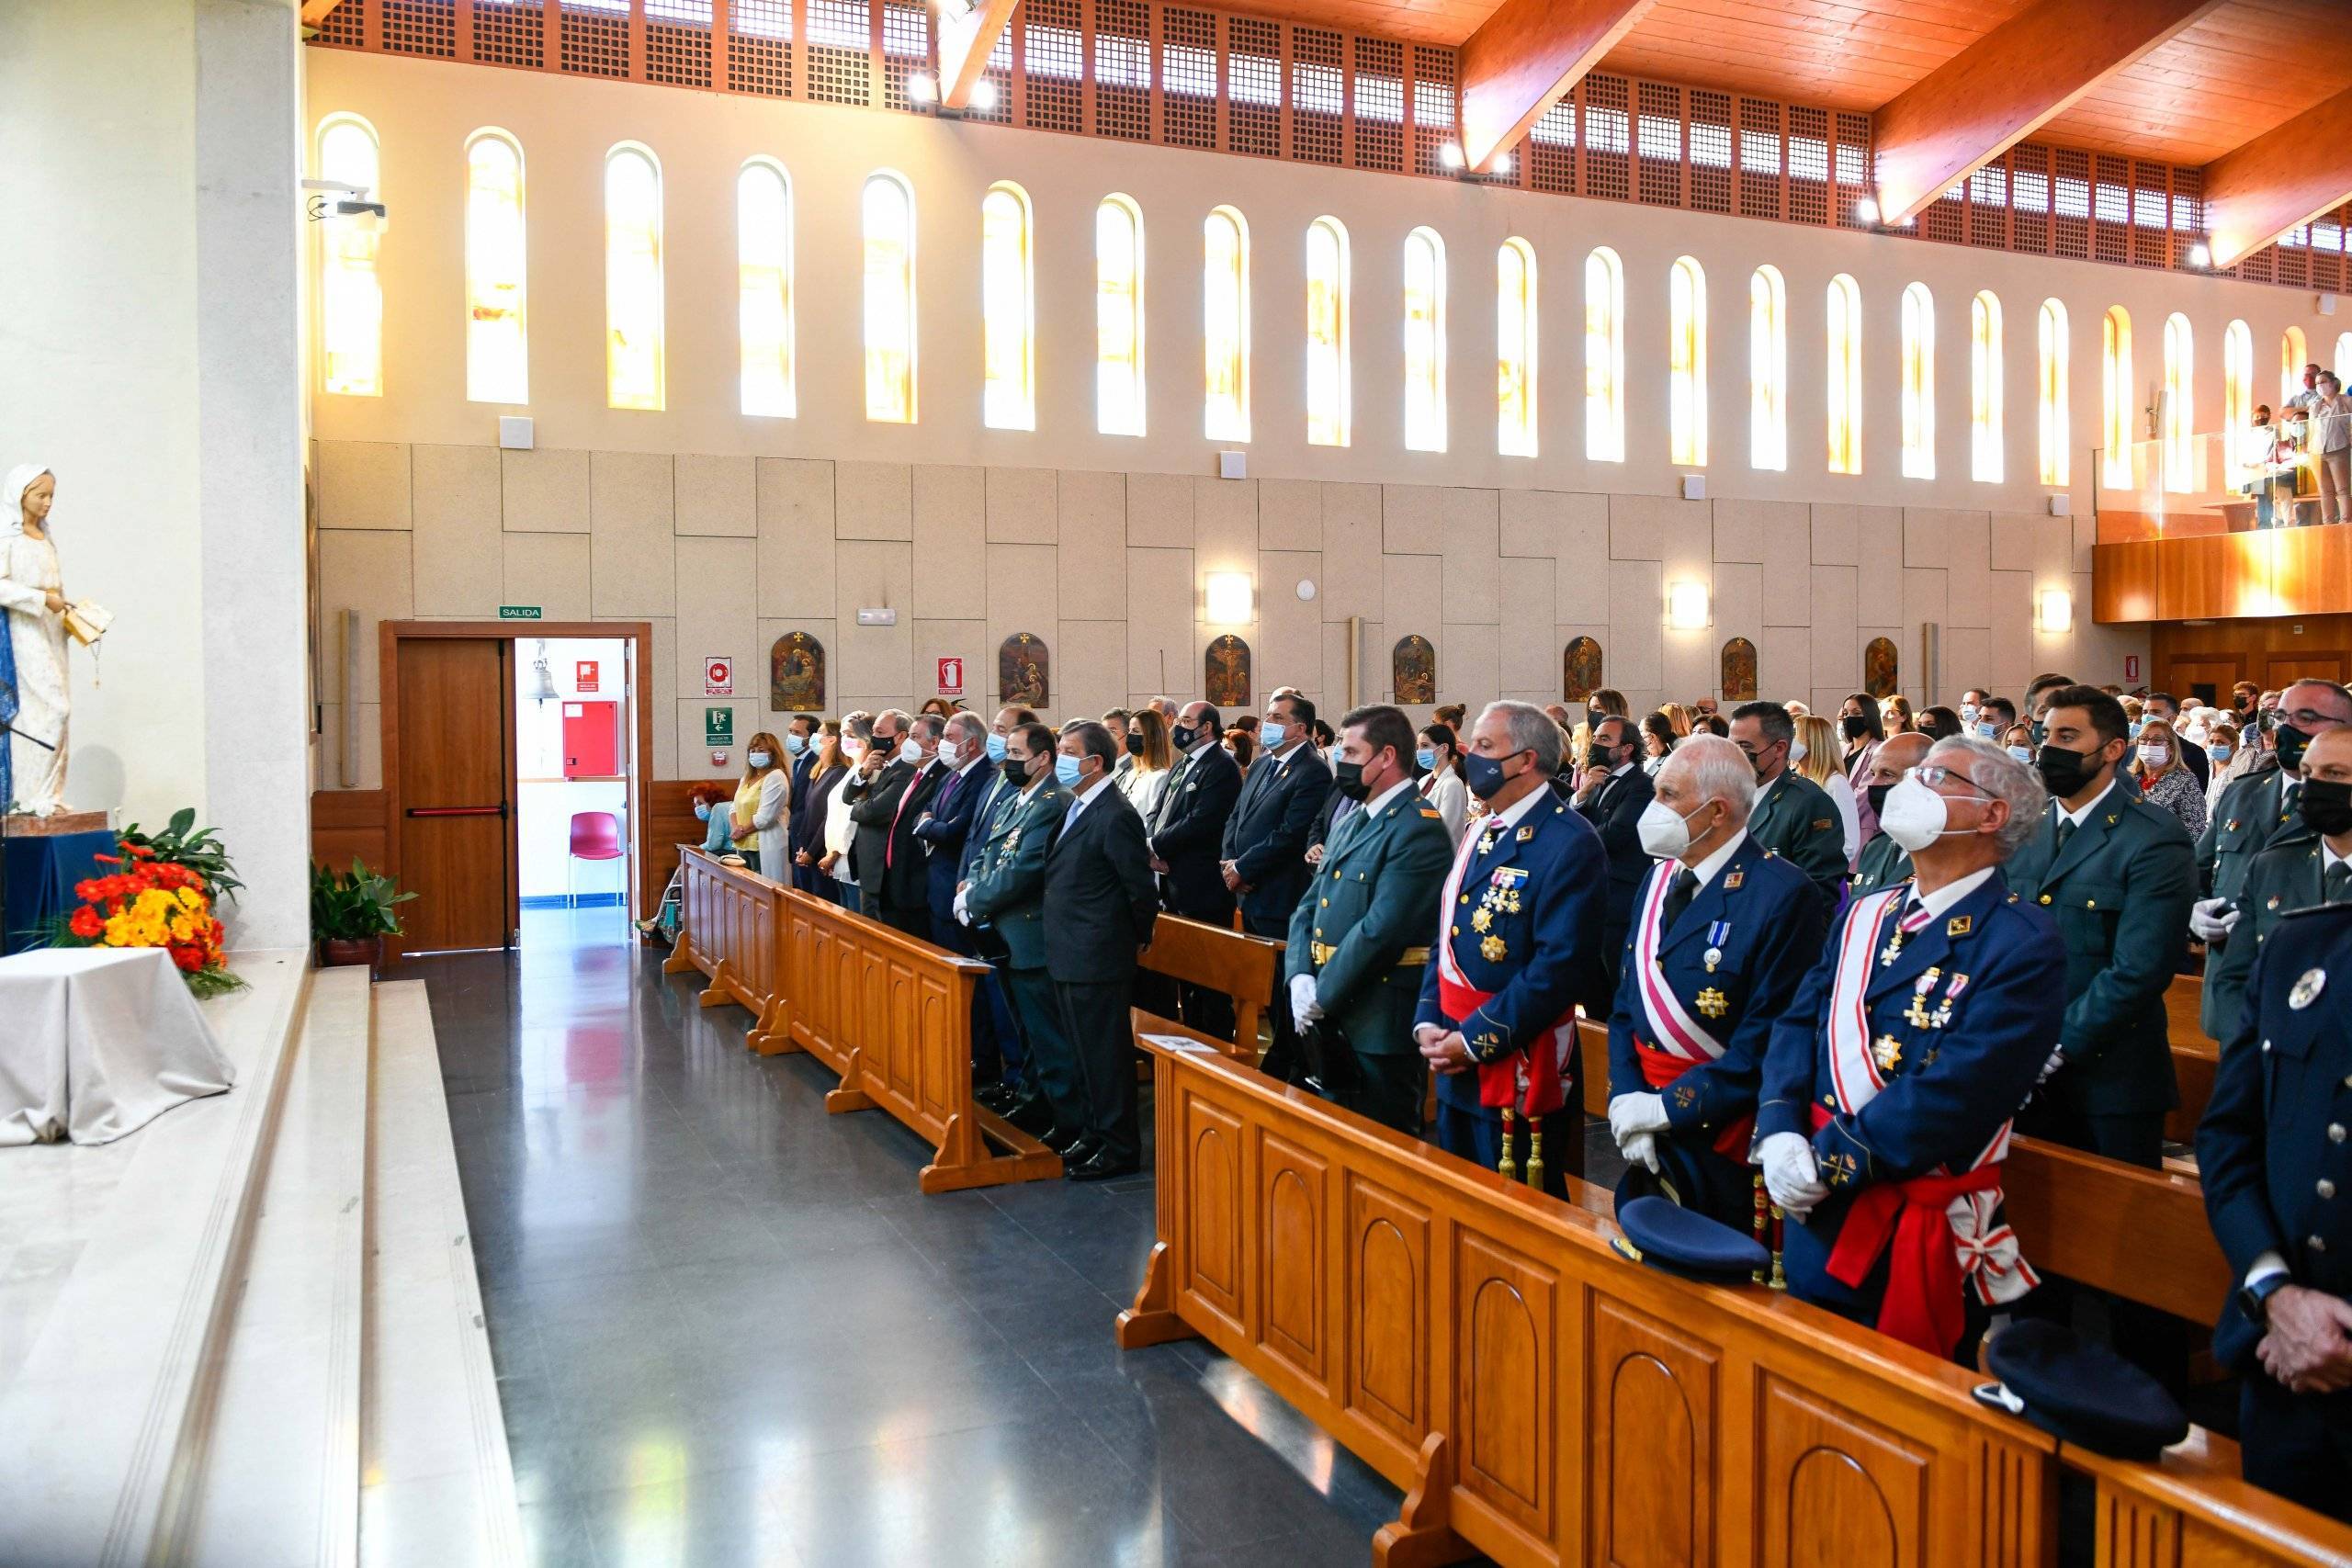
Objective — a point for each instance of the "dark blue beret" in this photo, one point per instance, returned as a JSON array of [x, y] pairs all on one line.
[[2080, 1391], [1682, 1241]]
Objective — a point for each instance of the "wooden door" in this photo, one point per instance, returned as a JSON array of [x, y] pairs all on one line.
[[2314, 664], [2207, 677], [455, 792]]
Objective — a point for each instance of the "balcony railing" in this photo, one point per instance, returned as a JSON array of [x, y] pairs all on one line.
[[2212, 483]]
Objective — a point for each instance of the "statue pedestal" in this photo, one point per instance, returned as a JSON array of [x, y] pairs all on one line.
[[21, 825]]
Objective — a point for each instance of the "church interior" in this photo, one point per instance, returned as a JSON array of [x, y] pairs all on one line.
[[477, 1087]]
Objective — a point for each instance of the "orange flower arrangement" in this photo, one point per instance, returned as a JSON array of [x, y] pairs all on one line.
[[152, 903]]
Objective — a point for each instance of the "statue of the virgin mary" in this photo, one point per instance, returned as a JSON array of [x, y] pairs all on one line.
[[32, 655]]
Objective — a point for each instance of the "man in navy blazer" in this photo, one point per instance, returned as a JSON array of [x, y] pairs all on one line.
[[1616, 793], [1890, 1082], [1724, 933], [1516, 946], [1186, 836], [799, 738], [1265, 846], [948, 826]]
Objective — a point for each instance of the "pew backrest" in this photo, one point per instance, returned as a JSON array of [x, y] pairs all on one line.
[[1241, 966]]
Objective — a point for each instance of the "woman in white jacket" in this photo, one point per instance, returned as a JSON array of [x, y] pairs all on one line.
[[764, 760]]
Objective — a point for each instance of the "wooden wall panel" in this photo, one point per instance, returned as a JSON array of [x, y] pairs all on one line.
[[2277, 571], [347, 823], [1507, 1325], [2310, 570], [2123, 581], [1837, 1488], [2179, 653], [1293, 1215], [1651, 1497], [1386, 1295]]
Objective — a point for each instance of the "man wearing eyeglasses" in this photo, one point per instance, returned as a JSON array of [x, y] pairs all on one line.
[[1890, 1081], [2255, 811]]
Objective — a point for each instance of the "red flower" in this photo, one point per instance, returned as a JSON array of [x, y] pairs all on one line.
[[86, 924], [107, 859], [141, 851]]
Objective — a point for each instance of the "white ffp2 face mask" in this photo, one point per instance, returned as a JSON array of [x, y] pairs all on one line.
[[1665, 832], [1915, 816]]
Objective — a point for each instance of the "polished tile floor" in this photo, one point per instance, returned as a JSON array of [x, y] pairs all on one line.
[[728, 1330]]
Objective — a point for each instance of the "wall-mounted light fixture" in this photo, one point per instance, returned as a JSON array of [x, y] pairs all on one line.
[[1686, 606], [2054, 610], [1232, 598]]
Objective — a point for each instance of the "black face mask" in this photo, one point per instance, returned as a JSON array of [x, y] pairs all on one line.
[[2039, 731], [2290, 743], [1349, 777], [1855, 727], [1016, 771], [1598, 754], [2064, 771], [2325, 807], [1134, 745], [1182, 737], [1877, 793]]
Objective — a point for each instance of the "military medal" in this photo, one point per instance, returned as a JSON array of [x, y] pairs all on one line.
[[1717, 934], [1713, 1003], [1916, 1015], [1886, 1050], [1492, 949], [2307, 988], [1942, 1014]]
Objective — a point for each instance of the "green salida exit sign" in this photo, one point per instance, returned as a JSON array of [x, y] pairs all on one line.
[[518, 612]]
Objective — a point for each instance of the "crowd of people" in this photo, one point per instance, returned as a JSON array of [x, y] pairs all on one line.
[[1845, 958]]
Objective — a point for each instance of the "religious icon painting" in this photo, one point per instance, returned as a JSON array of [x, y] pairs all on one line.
[[1023, 671], [1579, 669], [1226, 673], [797, 674], [1880, 667], [1413, 669], [1739, 671]]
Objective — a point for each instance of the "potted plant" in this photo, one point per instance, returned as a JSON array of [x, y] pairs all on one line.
[[352, 914]]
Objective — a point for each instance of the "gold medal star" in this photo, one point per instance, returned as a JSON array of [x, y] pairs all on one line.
[[1713, 1003], [1480, 920], [1492, 949], [1886, 1051]]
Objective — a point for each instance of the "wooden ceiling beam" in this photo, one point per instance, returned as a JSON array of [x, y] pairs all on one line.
[[1525, 58], [2278, 182], [2005, 86], [967, 36], [315, 11]]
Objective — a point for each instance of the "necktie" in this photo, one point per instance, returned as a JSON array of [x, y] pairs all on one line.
[[2337, 883], [1678, 897], [1168, 795], [890, 844], [2065, 831], [2289, 792]]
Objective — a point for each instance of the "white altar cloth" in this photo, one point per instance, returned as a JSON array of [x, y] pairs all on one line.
[[95, 1042]]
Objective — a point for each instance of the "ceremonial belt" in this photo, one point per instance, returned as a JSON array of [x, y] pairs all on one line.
[[1530, 1080], [1323, 951]]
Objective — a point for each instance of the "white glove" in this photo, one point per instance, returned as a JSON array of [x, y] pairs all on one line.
[[1640, 1148], [1790, 1175], [1633, 1115], [963, 915], [1303, 1009], [2208, 922], [2057, 1060]]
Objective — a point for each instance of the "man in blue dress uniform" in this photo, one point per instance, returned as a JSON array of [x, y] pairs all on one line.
[[2274, 1154], [1724, 933], [1890, 1082], [1518, 941]]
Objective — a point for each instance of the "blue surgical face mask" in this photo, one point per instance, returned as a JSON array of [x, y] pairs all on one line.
[[1425, 759], [996, 747], [2218, 750], [1269, 735], [1988, 728], [759, 759], [794, 745], [701, 811], [2023, 754], [1066, 771], [2138, 724]]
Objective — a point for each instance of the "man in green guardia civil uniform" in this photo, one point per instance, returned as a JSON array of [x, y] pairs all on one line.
[[1793, 817], [1359, 938], [2308, 862], [2255, 811]]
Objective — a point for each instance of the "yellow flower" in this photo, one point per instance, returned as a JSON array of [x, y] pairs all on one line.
[[190, 899]]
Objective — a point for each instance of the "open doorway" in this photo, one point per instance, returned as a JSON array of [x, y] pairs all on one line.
[[575, 732]]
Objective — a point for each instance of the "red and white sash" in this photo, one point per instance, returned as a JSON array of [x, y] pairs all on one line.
[[1533, 1079], [1672, 1030]]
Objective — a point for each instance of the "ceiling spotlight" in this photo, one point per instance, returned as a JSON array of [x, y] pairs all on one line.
[[983, 95], [924, 87], [1450, 155], [1867, 209], [2201, 254], [1503, 167]]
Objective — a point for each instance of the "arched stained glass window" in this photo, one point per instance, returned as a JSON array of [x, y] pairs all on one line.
[[1515, 349], [1424, 341], [635, 355], [890, 264], [2292, 356], [1987, 459], [1118, 316], [1604, 356], [2115, 397], [1918, 382], [764, 288], [2179, 405], [1327, 372], [1686, 364], [1767, 369], [351, 297], [1225, 324], [1843, 384], [2051, 353], [2237, 399], [498, 368], [1008, 312]]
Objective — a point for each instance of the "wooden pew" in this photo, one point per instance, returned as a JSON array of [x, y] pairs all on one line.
[[2195, 1057], [1241, 966], [728, 923], [2140, 1234], [1546, 1400], [893, 1016]]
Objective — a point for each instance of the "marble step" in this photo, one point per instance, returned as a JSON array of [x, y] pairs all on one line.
[[439, 1484]]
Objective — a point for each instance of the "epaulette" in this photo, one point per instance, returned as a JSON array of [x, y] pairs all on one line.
[[1772, 854], [1432, 813]]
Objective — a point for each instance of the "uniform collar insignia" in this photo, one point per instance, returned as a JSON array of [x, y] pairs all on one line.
[[1525, 834], [1731, 881], [1958, 925]]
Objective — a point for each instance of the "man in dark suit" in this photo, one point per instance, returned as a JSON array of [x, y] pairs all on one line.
[[1005, 897], [1100, 906], [871, 795], [1794, 816], [906, 871], [800, 740], [2273, 1156], [2117, 875], [949, 823], [1617, 791], [1266, 845], [1186, 836]]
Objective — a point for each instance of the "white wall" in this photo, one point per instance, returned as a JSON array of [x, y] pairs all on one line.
[[148, 355]]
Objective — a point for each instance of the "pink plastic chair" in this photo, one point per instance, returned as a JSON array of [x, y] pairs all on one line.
[[595, 835]]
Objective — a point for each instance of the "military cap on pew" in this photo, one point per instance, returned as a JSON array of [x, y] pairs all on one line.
[[2080, 1391], [1681, 1241]]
